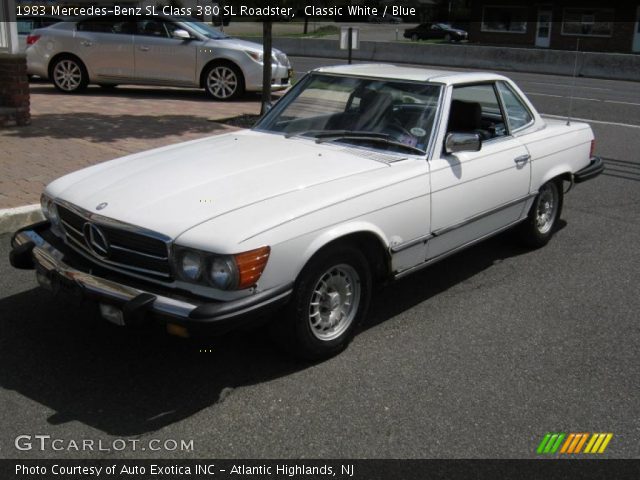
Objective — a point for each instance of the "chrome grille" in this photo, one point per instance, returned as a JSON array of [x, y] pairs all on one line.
[[126, 249]]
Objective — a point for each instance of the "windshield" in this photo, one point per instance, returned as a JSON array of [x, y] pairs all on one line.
[[204, 29], [390, 115]]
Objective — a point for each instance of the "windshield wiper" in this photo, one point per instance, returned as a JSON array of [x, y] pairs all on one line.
[[331, 135], [368, 137]]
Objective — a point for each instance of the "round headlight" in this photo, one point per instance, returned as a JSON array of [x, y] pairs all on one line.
[[222, 273], [54, 218], [44, 204], [191, 265]]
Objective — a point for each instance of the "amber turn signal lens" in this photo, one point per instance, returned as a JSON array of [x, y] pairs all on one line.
[[593, 148], [251, 265]]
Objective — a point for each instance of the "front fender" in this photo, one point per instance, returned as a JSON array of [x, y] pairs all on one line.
[[340, 231]]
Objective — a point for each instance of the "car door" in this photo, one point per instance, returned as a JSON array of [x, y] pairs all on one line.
[[160, 58], [477, 193], [435, 32], [105, 45]]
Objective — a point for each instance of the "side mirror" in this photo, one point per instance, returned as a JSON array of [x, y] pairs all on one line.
[[181, 34], [462, 142]]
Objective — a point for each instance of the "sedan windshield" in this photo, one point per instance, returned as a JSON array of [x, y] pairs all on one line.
[[390, 115]]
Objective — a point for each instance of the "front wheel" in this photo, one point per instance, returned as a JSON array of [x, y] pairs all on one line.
[[330, 299], [69, 75], [224, 81], [538, 228], [415, 37]]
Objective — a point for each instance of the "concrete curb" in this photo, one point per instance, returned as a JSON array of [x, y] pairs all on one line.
[[11, 219], [611, 66]]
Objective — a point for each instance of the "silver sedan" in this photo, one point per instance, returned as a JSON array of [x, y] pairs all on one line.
[[160, 50]]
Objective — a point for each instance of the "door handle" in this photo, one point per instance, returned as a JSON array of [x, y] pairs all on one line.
[[86, 43], [522, 159], [143, 48]]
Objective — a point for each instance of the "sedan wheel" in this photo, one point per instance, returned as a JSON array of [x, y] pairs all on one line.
[[69, 76], [537, 230], [224, 82], [414, 37], [447, 38], [330, 298]]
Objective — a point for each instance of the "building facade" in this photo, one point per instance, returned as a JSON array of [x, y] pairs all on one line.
[[595, 26]]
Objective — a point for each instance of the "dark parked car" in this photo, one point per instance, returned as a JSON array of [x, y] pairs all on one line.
[[427, 31], [384, 19]]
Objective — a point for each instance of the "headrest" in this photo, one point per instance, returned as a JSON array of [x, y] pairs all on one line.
[[465, 116]]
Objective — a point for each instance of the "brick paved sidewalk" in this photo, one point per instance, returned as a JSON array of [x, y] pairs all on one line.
[[69, 132]]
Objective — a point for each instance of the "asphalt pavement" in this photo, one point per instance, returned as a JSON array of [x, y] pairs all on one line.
[[476, 357]]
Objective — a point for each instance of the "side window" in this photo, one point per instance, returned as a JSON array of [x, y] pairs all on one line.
[[475, 109], [100, 26], [517, 113], [152, 28], [124, 27]]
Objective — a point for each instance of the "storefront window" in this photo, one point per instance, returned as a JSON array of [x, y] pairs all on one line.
[[504, 19], [587, 22]]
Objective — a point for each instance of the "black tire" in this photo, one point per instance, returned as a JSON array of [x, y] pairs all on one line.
[[534, 232], [68, 74], [223, 81], [415, 37], [447, 38], [294, 331]]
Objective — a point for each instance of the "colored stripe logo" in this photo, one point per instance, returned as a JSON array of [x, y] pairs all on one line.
[[573, 443]]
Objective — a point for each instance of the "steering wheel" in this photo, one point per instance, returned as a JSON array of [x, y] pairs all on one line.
[[396, 130]]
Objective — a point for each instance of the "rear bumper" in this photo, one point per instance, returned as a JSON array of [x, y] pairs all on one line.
[[32, 250], [595, 168]]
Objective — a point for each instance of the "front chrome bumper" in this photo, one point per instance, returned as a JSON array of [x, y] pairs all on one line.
[[32, 250]]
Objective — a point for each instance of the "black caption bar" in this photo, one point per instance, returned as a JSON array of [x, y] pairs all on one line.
[[319, 469]]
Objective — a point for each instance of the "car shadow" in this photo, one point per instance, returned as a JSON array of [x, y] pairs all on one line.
[[129, 382], [101, 128], [44, 87]]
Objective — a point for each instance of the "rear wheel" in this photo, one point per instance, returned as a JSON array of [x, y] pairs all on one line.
[[224, 81], [447, 38], [540, 224], [69, 74], [414, 37], [331, 297]]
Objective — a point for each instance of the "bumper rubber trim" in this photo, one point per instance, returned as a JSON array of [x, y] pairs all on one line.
[[591, 171]]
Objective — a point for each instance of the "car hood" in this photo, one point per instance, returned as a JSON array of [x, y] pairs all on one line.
[[175, 188]]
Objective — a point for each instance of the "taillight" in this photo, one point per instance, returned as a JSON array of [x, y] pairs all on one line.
[[31, 39], [593, 148]]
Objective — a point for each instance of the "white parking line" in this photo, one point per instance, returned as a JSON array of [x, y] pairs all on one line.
[[566, 85], [589, 120], [564, 96], [545, 94], [622, 102]]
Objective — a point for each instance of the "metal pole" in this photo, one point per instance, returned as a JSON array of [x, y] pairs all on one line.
[[350, 43]]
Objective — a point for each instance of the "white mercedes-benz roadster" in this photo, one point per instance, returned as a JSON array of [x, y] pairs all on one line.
[[358, 175]]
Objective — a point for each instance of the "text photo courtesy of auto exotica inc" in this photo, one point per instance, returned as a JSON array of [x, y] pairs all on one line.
[[376, 239]]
